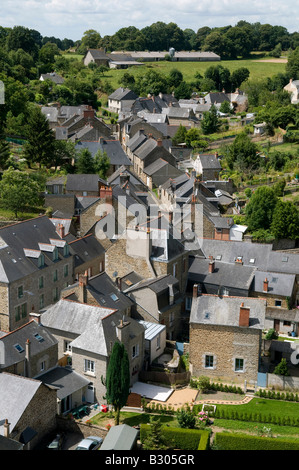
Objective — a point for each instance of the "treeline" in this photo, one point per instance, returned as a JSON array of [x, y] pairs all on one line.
[[228, 41]]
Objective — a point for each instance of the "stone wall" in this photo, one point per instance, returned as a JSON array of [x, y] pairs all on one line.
[[225, 344]]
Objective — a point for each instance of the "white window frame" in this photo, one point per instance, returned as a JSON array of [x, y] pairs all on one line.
[[135, 351], [89, 366]]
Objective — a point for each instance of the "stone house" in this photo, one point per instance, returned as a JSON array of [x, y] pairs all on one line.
[[96, 56], [225, 337], [150, 252], [208, 166], [86, 334], [121, 100], [35, 266], [28, 350], [158, 300], [28, 409]]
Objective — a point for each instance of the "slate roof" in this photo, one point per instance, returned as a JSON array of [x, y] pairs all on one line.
[[17, 241], [40, 340], [113, 148], [54, 77], [121, 437], [224, 275], [94, 327], [225, 311], [16, 393], [85, 249], [278, 283], [209, 161], [65, 379], [82, 182], [104, 291], [260, 255], [123, 94]]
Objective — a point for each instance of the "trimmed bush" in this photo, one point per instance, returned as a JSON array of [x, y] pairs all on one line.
[[178, 438], [234, 441]]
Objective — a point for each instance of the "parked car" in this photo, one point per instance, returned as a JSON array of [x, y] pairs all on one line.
[[57, 442], [90, 443]]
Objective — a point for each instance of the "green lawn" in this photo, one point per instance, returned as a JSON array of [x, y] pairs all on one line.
[[248, 427], [266, 407]]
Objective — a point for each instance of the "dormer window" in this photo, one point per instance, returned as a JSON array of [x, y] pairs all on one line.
[[41, 261], [55, 254], [66, 250]]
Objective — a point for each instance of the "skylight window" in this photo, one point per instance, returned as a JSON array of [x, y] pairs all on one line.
[[38, 337], [218, 257], [19, 348], [114, 297], [285, 259], [252, 260]]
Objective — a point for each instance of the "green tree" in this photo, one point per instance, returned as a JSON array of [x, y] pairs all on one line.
[[282, 368], [101, 163], [260, 208], [225, 107], [4, 149], [180, 135], [18, 190], [285, 221], [90, 40], [48, 52], [210, 122], [40, 138], [85, 162], [64, 153], [118, 379], [243, 154], [186, 419], [154, 439], [292, 67]]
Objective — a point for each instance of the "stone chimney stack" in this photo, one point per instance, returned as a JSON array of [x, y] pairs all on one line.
[[35, 316], [123, 331], [159, 143], [244, 316], [83, 282], [265, 285]]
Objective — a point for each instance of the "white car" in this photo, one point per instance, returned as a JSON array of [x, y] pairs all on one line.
[[90, 443]]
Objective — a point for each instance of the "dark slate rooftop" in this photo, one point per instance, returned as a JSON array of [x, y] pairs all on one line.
[[278, 283], [123, 94], [21, 245], [113, 148], [40, 341], [65, 379], [224, 275], [85, 249], [83, 182]]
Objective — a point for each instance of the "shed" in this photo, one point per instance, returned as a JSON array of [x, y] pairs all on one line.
[[122, 437]]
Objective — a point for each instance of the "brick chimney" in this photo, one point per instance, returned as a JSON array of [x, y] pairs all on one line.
[[159, 142], [60, 230], [244, 316], [35, 316], [88, 113], [211, 266], [83, 282], [105, 192], [265, 285]]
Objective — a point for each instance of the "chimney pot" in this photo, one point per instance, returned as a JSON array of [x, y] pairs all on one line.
[[211, 266], [6, 428], [265, 285]]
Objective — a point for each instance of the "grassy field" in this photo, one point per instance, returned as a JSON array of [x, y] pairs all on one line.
[[258, 68], [267, 407]]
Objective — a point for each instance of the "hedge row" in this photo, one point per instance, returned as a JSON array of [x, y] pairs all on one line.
[[287, 396], [230, 441], [184, 439], [218, 387], [223, 413]]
